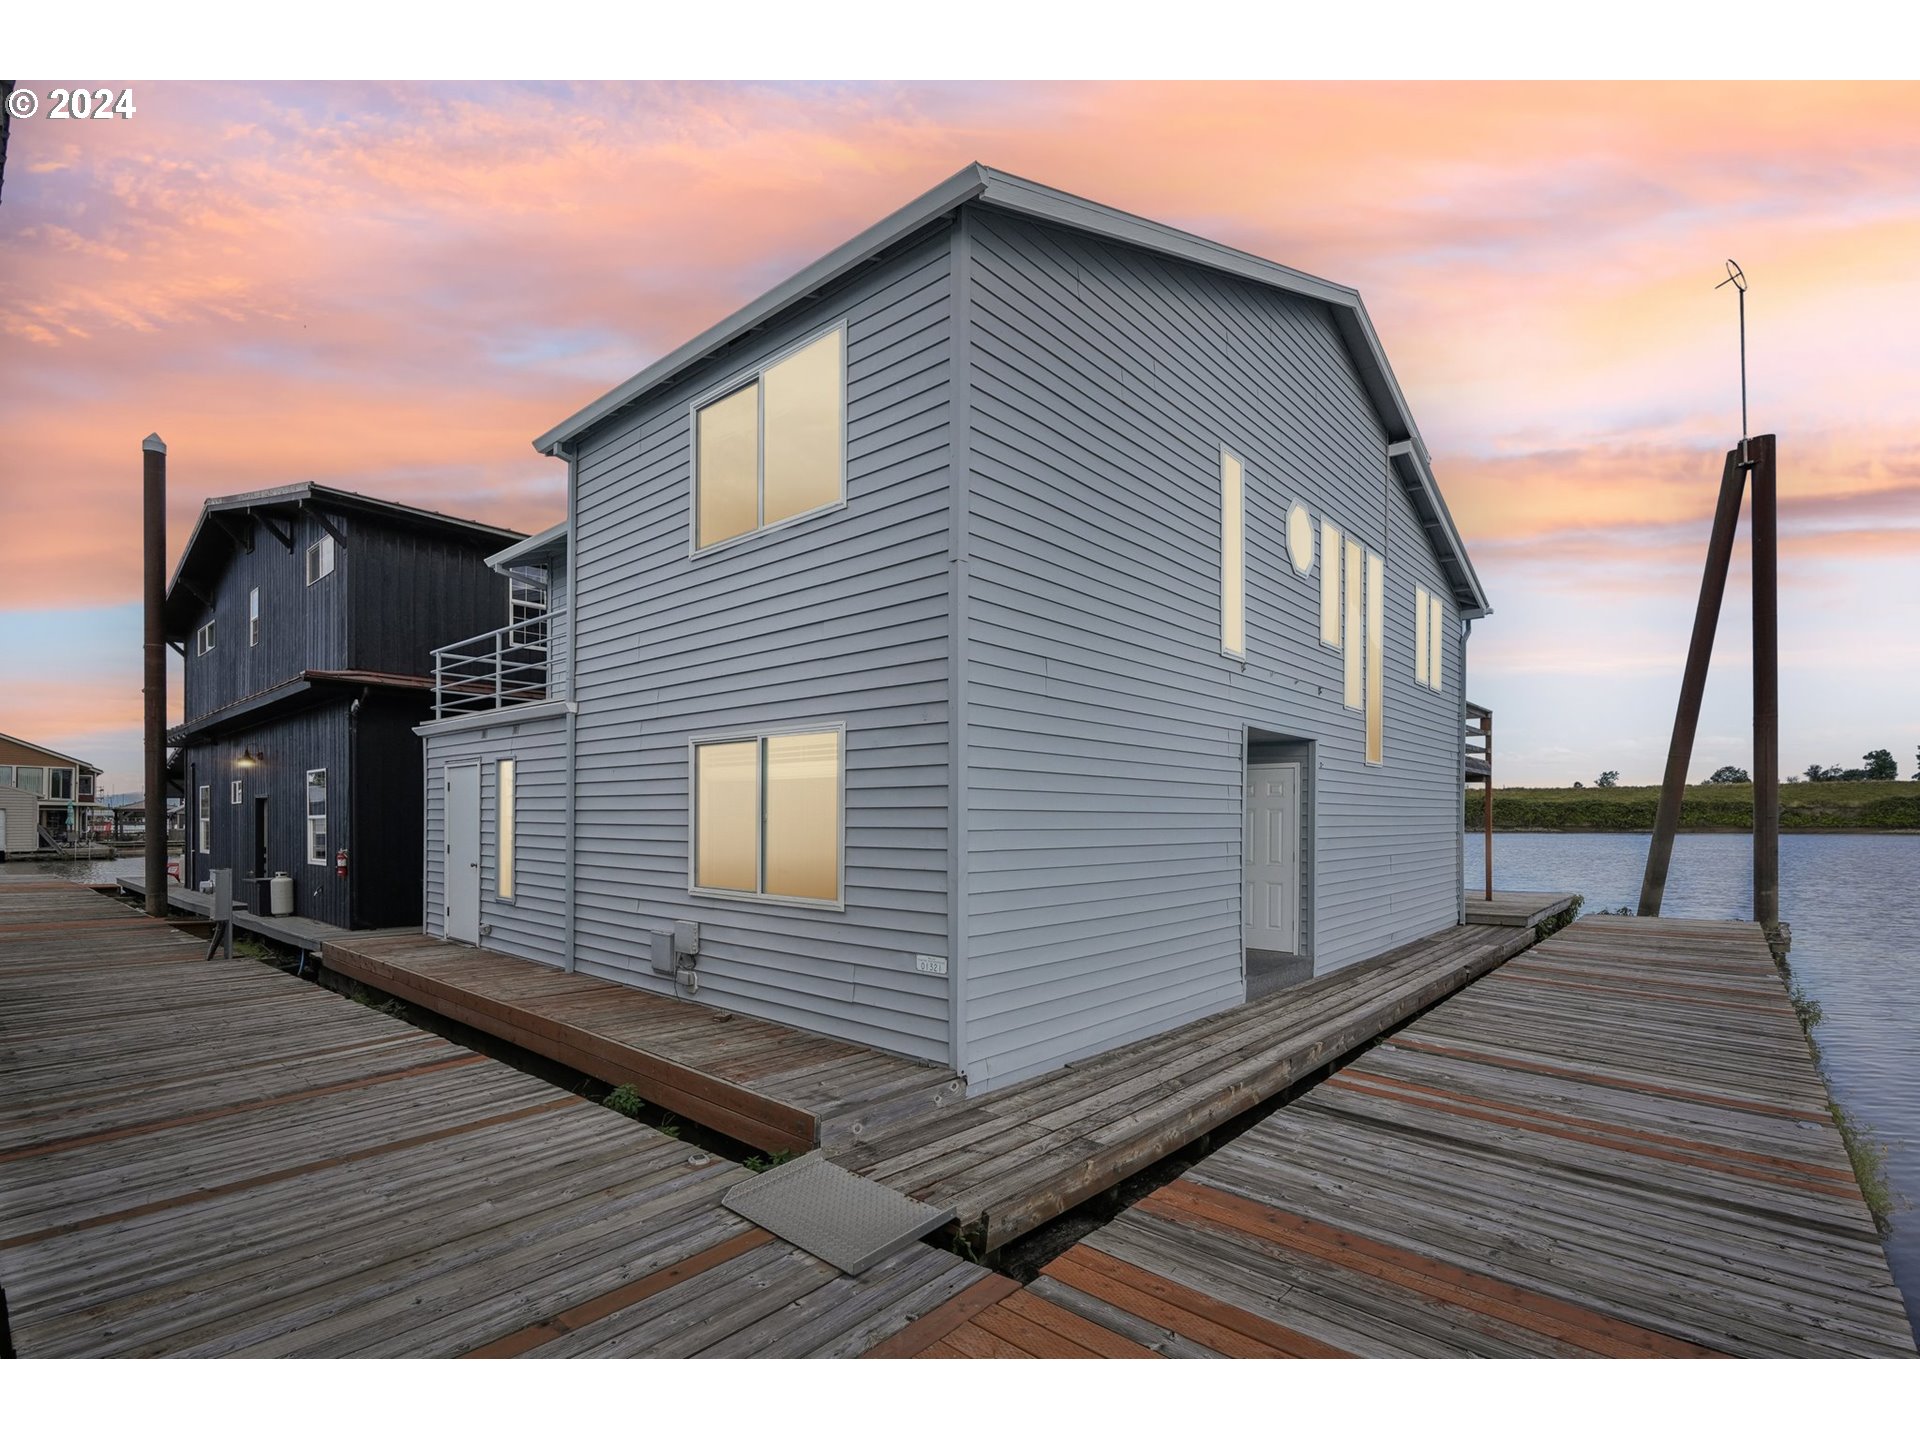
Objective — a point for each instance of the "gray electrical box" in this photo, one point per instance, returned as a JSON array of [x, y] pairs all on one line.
[[686, 941], [661, 951]]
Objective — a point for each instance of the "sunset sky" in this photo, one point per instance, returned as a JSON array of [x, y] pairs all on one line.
[[393, 288]]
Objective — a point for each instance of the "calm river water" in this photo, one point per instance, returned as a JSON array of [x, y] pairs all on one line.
[[1854, 904]]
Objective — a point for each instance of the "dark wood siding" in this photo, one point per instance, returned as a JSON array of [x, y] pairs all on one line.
[[384, 843], [411, 590]]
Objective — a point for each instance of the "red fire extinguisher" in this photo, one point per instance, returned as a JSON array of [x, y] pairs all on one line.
[[340, 863]]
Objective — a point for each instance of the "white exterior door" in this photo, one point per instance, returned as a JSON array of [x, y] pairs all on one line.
[[1273, 858], [463, 853]]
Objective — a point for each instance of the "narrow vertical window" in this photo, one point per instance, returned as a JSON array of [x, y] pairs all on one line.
[[1351, 582], [1437, 636], [1233, 556], [1422, 650], [505, 801], [1329, 584], [1376, 605], [253, 616], [319, 559], [204, 825], [316, 817]]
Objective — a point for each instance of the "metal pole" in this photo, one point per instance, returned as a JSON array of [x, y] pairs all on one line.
[[1693, 683], [154, 484], [1766, 688]]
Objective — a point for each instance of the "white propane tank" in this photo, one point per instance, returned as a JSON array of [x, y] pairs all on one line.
[[281, 898]]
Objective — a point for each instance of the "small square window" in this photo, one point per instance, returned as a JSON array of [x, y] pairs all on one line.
[[238, 791]]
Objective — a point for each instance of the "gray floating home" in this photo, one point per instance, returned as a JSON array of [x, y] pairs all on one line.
[[1022, 631]]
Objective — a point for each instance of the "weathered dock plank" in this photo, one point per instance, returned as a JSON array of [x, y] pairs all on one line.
[[209, 1157], [1616, 1144]]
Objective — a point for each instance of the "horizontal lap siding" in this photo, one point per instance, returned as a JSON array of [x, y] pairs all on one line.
[[531, 925], [1105, 741], [838, 618]]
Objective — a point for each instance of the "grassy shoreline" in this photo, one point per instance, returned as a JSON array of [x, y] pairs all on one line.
[[1859, 807]]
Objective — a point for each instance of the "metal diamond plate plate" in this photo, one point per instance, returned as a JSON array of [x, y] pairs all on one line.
[[847, 1220]]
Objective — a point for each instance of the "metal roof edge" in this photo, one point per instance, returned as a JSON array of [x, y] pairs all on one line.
[[554, 537]]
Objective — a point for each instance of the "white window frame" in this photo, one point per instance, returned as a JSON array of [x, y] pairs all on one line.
[[506, 828], [324, 545], [72, 782], [237, 791], [253, 617], [754, 897], [203, 639], [739, 381], [203, 828], [39, 788], [522, 608], [307, 817]]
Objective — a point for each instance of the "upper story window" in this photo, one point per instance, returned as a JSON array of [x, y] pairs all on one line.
[[253, 616], [60, 784], [86, 786], [320, 559], [203, 639], [772, 448], [528, 596], [32, 779], [6, 777]]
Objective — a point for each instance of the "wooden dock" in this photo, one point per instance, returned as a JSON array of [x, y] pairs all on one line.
[[210, 1157], [769, 1085], [1618, 1144], [1013, 1159], [295, 932], [1522, 908]]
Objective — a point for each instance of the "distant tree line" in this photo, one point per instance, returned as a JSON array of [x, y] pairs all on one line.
[[1876, 765]]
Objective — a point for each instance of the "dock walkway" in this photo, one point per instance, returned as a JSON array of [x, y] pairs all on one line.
[[210, 1157], [1617, 1144]]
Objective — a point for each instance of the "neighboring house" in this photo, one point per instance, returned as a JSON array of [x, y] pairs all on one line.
[[308, 618], [1026, 629], [64, 791]]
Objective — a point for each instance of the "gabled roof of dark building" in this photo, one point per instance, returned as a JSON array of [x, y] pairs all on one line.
[[979, 184], [213, 538]]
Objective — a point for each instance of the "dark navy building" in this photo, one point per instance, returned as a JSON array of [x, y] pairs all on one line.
[[308, 618]]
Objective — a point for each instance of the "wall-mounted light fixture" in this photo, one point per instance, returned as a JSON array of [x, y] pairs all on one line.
[[248, 759]]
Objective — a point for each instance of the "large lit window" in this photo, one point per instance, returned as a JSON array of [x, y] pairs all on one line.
[[319, 558], [771, 448], [766, 816], [316, 817], [253, 616], [1376, 604], [506, 807], [1437, 638], [204, 828], [1233, 555]]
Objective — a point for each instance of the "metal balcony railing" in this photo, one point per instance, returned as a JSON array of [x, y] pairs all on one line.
[[504, 667]]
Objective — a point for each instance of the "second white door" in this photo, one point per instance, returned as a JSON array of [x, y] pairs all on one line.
[[1273, 858]]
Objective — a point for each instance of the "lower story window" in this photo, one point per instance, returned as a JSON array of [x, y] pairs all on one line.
[[508, 802], [204, 828], [316, 817], [767, 815]]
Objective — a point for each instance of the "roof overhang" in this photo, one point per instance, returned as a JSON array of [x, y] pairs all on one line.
[[982, 185], [550, 541]]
